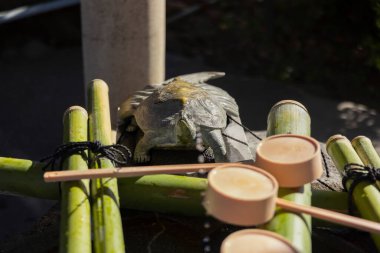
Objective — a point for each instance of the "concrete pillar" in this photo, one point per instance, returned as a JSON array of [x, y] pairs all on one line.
[[123, 44]]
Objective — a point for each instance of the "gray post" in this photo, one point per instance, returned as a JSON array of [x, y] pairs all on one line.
[[123, 44]]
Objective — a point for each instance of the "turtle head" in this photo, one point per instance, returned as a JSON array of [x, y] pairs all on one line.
[[185, 131]]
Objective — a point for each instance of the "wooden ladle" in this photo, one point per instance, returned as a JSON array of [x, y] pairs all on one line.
[[246, 195], [237, 193]]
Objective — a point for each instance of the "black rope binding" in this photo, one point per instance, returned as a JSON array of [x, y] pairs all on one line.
[[358, 173], [325, 164], [245, 128], [117, 153], [326, 185], [235, 139]]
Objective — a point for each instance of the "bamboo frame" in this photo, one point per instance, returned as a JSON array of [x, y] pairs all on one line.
[[160, 193], [285, 117], [331, 216], [366, 151], [107, 225], [75, 228], [366, 196], [176, 194]]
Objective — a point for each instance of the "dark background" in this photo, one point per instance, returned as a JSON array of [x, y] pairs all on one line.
[[325, 54], [270, 50]]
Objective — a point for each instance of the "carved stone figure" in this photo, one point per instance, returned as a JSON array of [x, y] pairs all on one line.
[[173, 113]]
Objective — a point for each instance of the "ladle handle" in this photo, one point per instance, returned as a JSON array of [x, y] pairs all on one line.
[[73, 175], [343, 219]]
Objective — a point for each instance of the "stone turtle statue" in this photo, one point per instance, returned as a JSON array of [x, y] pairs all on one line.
[[173, 113]]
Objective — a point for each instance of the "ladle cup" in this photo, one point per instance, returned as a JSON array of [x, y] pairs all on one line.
[[261, 241], [294, 160]]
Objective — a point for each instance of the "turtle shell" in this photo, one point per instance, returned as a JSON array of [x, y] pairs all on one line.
[[205, 112], [186, 97]]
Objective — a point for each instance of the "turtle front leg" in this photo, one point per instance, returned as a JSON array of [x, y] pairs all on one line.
[[150, 140], [214, 139], [145, 144]]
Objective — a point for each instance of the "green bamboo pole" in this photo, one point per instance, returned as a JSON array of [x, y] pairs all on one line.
[[107, 225], [164, 193], [288, 116], [366, 196], [366, 151], [334, 201], [75, 234], [291, 117], [25, 177], [161, 193]]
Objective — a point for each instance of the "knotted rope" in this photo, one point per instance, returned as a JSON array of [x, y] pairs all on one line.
[[358, 173], [117, 153]]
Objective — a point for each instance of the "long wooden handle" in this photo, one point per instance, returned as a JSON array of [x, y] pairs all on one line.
[[72, 175], [343, 219]]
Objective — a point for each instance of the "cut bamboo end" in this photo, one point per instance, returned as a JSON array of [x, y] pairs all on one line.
[[341, 151], [75, 124], [334, 138], [99, 112], [75, 108], [366, 151], [358, 138], [288, 101], [99, 84], [288, 117]]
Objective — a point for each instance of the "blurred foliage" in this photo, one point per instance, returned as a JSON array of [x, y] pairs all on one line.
[[372, 42], [331, 47], [6, 5]]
